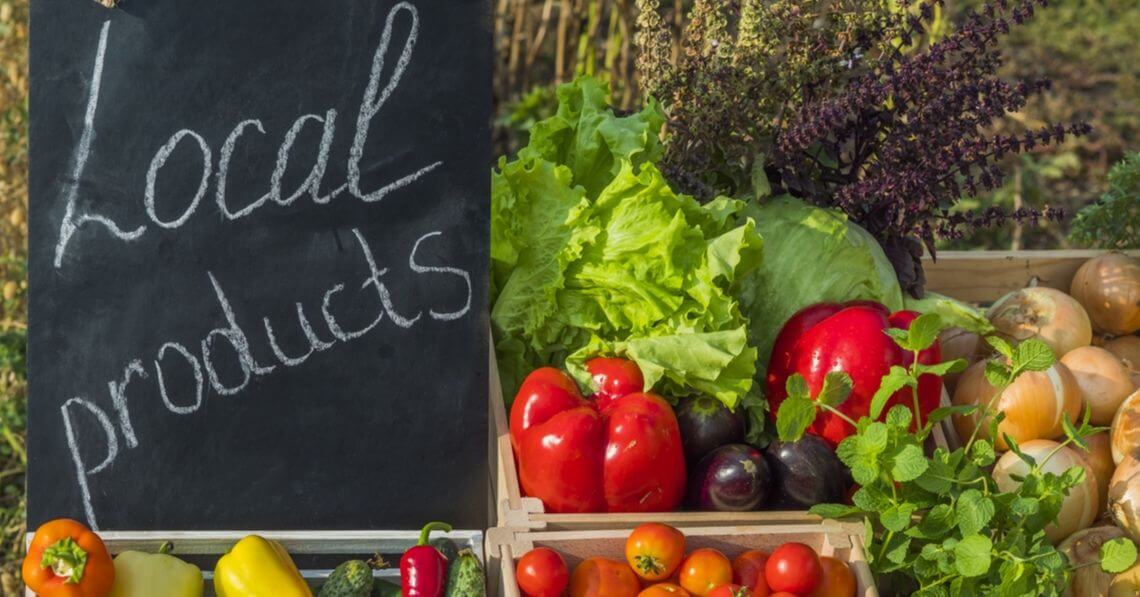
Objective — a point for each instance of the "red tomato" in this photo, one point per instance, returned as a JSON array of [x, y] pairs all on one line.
[[614, 378], [748, 571], [794, 568], [784, 594], [838, 579], [655, 550], [665, 589], [704, 570], [730, 591], [599, 577], [542, 572]]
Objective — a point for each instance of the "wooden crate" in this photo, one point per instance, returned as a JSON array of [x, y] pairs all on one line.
[[841, 540]]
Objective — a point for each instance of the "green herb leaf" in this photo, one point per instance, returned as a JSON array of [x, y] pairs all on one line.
[[972, 555], [955, 366], [900, 336], [998, 373], [1033, 355], [897, 517], [896, 379], [974, 511], [1072, 433], [833, 510], [924, 331], [899, 417], [944, 412], [794, 417], [1001, 346], [837, 387], [1117, 555], [909, 463], [1025, 506], [797, 386], [982, 453]]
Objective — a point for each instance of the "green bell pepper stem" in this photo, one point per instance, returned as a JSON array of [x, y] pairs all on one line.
[[66, 560], [425, 534]]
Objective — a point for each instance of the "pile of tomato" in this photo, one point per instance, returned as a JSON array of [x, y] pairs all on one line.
[[657, 565]]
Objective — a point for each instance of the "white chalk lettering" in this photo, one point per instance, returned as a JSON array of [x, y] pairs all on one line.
[[382, 290], [224, 171], [422, 269], [237, 339], [312, 184], [81, 470], [199, 391], [315, 343], [71, 220], [118, 392], [159, 161]]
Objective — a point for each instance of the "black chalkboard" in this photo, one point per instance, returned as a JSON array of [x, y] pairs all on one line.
[[203, 169]]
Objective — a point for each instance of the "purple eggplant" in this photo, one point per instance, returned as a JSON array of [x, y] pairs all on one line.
[[706, 424], [805, 473], [732, 478]]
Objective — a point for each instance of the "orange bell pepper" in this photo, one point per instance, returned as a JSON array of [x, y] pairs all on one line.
[[66, 559]]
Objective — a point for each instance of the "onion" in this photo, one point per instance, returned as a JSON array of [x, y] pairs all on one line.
[[1100, 461], [1034, 405], [1127, 349], [1105, 381], [1124, 496], [1109, 288], [1079, 508], [1126, 428], [1045, 313], [1126, 584], [1081, 548], [957, 343]]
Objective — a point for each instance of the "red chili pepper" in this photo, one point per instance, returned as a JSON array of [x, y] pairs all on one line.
[[423, 570]]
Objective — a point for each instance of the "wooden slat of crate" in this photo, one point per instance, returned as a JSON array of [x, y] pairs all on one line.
[[985, 276], [842, 540]]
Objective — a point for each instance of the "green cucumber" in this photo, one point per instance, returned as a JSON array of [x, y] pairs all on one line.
[[465, 576], [384, 588], [351, 579]]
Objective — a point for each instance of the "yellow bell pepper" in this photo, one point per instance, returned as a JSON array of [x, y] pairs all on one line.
[[257, 567], [139, 574]]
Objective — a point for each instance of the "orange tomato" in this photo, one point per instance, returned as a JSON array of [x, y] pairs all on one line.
[[838, 579], [730, 591], [655, 550], [665, 589], [704, 570], [748, 571], [599, 577], [784, 594]]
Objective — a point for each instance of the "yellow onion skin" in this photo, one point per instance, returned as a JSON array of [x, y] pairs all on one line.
[[1047, 314], [1125, 429], [1127, 349], [1105, 381], [1100, 461], [1124, 496], [957, 343], [1109, 289], [1126, 584], [1034, 405], [1079, 509], [1083, 547]]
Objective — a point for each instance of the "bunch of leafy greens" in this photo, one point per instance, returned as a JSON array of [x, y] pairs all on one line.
[[1113, 222], [592, 253], [940, 523]]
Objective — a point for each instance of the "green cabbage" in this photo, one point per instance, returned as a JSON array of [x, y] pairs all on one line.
[[592, 253]]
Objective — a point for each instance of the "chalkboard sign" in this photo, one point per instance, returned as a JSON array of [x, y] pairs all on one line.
[[259, 238]]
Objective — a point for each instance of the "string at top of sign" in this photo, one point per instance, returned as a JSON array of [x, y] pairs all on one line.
[[108, 3]]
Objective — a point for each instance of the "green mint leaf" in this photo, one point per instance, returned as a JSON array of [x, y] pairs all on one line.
[[924, 331], [972, 555], [1025, 506], [834, 510], [896, 379], [1033, 355], [944, 412], [897, 517], [1001, 346], [997, 373], [955, 366], [901, 337], [797, 387], [870, 499], [898, 553], [865, 471], [1016, 449], [794, 417], [899, 417], [848, 450], [974, 511], [837, 387], [982, 453], [909, 463], [873, 440], [1072, 433], [1117, 555], [935, 524]]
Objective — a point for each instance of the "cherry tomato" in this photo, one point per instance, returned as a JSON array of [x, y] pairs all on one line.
[[542, 572], [794, 568], [665, 589], [704, 570], [599, 577], [730, 591], [784, 594], [748, 571], [655, 550], [838, 579], [614, 378]]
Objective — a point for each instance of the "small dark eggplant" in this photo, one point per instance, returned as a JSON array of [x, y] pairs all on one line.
[[732, 478], [707, 424], [805, 473]]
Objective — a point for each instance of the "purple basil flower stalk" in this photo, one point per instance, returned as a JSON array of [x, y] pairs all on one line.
[[900, 144]]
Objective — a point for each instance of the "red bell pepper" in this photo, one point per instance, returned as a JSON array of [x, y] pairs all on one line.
[[579, 456], [850, 338], [423, 570]]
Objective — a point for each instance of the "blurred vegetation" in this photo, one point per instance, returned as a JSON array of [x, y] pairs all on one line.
[[13, 285]]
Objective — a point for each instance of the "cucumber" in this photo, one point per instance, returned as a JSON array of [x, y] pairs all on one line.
[[465, 576], [351, 579], [446, 547], [384, 588]]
